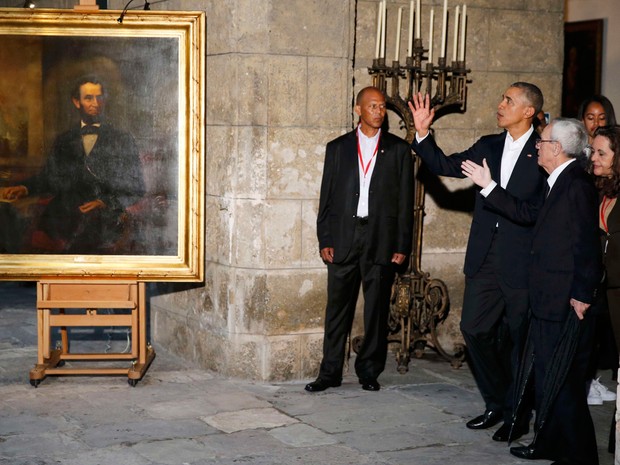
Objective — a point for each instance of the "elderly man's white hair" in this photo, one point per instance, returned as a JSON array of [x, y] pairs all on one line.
[[572, 135]]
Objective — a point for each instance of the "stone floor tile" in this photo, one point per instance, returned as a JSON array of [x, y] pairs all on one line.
[[101, 436], [300, 435], [37, 446], [172, 451], [239, 420]]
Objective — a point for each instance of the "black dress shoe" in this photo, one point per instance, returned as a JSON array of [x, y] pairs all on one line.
[[321, 384], [370, 384], [525, 452], [503, 432], [488, 419]]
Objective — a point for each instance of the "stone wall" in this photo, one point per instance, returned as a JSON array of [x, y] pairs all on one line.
[[281, 76], [279, 86]]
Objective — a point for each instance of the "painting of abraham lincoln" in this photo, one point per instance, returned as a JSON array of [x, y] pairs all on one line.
[[88, 145]]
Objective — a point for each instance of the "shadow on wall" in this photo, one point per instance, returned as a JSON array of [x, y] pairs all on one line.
[[460, 200]]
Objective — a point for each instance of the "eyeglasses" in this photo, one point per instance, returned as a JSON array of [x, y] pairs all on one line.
[[540, 141]]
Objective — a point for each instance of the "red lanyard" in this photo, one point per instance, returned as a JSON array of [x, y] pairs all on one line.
[[359, 153], [604, 204]]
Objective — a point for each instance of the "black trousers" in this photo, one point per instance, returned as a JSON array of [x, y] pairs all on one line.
[[343, 285], [494, 326], [604, 349], [568, 433]]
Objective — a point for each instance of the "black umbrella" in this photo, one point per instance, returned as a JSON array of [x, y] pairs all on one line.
[[557, 370], [523, 385]]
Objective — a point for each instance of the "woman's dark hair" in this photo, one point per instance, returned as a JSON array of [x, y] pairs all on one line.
[[610, 187], [605, 103]]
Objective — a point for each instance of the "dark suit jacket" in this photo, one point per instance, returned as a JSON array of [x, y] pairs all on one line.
[[611, 257], [565, 257], [612, 242], [526, 183], [111, 172], [390, 203]]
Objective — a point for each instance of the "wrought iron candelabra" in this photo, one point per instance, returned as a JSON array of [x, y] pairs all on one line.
[[450, 84], [420, 303]]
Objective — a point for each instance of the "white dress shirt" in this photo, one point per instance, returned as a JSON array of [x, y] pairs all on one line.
[[553, 177], [510, 155], [89, 140], [369, 148]]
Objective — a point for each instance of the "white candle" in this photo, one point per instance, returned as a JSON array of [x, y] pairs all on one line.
[[455, 39], [444, 23], [378, 41], [383, 8], [430, 37], [410, 30], [417, 19], [399, 23], [463, 25]]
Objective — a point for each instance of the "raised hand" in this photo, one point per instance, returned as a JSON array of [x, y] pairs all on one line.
[[422, 112], [481, 175]]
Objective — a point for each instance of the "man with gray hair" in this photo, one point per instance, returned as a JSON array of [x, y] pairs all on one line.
[[565, 271]]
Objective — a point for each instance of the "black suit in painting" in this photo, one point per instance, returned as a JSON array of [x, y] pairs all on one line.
[[363, 249], [111, 172], [495, 302]]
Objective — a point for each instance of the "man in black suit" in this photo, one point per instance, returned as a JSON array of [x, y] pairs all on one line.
[[365, 228], [93, 173], [565, 271], [495, 302]]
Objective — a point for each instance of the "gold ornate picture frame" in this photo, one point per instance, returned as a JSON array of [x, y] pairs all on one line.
[[144, 176]]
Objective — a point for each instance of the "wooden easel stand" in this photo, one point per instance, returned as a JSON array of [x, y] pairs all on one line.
[[90, 297]]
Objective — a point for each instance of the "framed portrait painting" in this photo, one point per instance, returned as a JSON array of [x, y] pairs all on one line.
[[583, 57], [102, 144]]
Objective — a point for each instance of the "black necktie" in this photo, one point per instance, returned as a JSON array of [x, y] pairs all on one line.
[[547, 189], [89, 129]]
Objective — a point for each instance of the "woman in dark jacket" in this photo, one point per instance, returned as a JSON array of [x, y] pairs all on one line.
[[605, 162], [605, 166]]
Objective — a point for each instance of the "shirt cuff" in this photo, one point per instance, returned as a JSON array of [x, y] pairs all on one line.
[[420, 139], [487, 190]]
